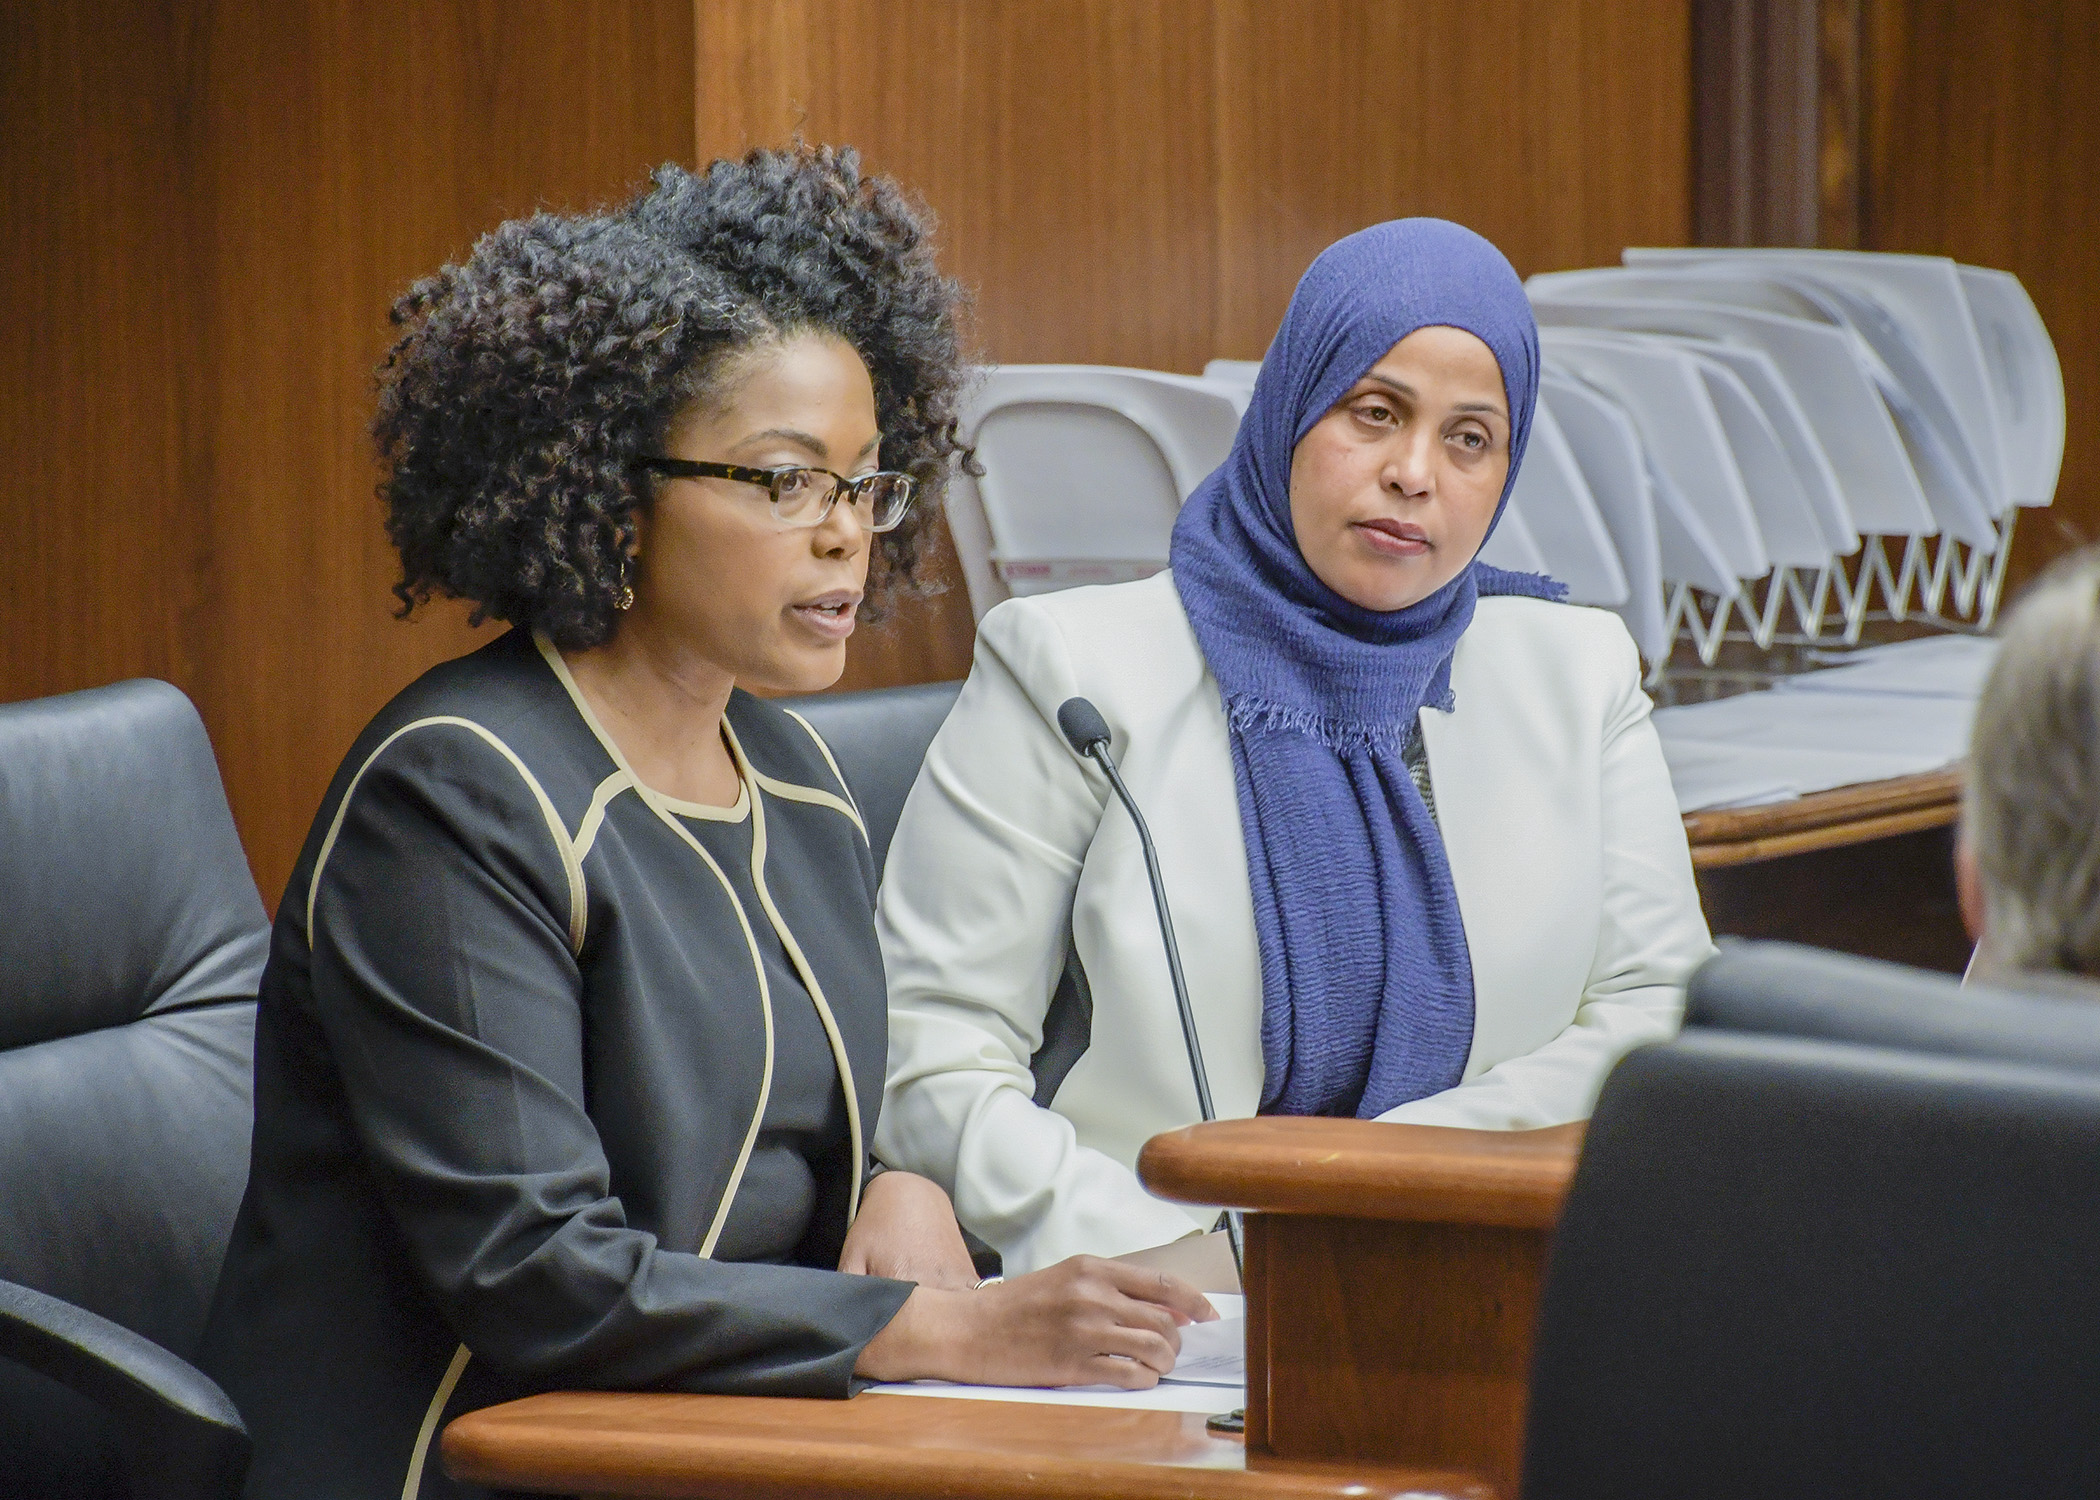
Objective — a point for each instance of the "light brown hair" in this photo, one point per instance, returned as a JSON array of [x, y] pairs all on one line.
[[2032, 809]]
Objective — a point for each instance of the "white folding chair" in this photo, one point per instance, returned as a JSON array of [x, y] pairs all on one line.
[[1085, 468], [1664, 391], [1512, 546], [1552, 500], [1607, 447], [1238, 375], [1916, 312]]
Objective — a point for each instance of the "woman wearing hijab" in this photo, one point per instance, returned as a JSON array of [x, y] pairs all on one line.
[[1422, 851]]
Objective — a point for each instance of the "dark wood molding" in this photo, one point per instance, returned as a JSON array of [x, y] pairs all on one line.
[[1755, 121], [1776, 123], [1840, 177]]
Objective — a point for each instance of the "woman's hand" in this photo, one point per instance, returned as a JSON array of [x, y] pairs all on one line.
[[906, 1229], [1081, 1322]]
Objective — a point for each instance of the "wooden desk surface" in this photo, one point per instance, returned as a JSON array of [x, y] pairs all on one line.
[[1359, 1169], [1825, 820], [749, 1448], [1393, 1275]]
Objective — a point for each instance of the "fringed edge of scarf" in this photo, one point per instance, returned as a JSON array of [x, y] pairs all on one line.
[[1489, 579], [1243, 714]]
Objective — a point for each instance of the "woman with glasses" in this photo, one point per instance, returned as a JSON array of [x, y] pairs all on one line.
[[571, 1042], [1422, 852]]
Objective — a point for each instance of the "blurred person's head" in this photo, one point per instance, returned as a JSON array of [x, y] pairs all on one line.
[[2028, 861]]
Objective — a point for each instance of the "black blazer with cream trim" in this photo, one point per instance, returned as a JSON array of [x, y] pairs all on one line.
[[513, 1054]]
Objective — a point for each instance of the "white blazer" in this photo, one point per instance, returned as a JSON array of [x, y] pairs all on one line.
[[1574, 884]]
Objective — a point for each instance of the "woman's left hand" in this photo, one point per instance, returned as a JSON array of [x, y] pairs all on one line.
[[906, 1230]]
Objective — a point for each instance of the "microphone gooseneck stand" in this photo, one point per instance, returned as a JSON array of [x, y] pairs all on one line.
[[1087, 733]]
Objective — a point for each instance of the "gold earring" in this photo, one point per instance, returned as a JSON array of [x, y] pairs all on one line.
[[624, 600]]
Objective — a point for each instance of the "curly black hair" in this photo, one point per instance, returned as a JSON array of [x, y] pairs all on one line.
[[530, 379]]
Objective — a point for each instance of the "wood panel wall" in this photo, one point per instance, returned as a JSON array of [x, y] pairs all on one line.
[[212, 207], [1955, 127], [1142, 184], [1980, 139]]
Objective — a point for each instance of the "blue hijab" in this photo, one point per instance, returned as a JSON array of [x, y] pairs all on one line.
[[1367, 985]]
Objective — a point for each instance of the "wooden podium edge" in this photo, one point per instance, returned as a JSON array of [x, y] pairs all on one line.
[[1361, 1169], [891, 1447], [1393, 1276]]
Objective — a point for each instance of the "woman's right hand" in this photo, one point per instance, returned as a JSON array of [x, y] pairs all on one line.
[[1081, 1322]]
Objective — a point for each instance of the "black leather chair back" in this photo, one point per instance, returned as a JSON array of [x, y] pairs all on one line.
[[879, 737], [1810, 1267], [131, 946], [1783, 989]]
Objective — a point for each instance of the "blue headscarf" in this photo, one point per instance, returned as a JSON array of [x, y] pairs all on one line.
[[1367, 985]]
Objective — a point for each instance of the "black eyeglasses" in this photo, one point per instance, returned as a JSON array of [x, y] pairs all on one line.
[[804, 496]]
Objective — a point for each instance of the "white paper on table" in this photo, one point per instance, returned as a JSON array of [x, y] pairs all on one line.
[[1708, 775], [1944, 646], [1607, 448], [1705, 775], [1942, 667], [1210, 1375], [1821, 364], [1662, 390], [1166, 1396], [1891, 734], [1214, 1353], [1893, 710]]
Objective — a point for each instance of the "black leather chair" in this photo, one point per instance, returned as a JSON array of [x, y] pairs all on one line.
[[131, 946], [1837, 1239], [879, 738], [1783, 989]]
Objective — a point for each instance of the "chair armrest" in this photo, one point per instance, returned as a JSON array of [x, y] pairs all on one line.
[[1362, 1169], [181, 1436]]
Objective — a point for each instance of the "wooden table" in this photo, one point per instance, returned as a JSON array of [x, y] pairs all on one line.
[[756, 1448], [1865, 869], [1825, 820], [1392, 1284]]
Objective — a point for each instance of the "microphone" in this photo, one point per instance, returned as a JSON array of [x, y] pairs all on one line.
[[1087, 733]]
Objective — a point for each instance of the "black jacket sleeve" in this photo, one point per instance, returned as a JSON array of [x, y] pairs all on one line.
[[444, 982]]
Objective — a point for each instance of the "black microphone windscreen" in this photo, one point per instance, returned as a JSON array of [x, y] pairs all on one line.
[[1083, 725]]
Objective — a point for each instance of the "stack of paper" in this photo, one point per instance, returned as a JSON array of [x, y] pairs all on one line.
[[1952, 666], [1890, 711]]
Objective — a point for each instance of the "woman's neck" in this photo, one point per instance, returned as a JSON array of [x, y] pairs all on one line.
[[663, 707]]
